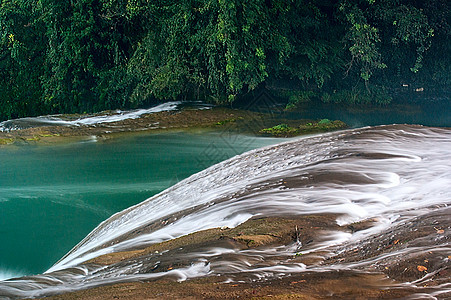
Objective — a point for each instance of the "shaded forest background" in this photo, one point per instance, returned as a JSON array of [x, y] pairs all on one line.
[[91, 55]]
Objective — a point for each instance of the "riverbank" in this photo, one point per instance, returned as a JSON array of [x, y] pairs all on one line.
[[214, 118], [153, 122]]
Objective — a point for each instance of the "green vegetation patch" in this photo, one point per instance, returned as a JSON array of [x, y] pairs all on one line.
[[6, 141], [33, 139], [323, 125], [103, 55], [48, 134], [281, 130]]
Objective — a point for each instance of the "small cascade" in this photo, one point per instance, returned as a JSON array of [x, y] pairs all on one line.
[[395, 176]]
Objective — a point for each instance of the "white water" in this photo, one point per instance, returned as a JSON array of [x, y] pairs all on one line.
[[392, 173], [5, 274], [58, 120], [245, 196]]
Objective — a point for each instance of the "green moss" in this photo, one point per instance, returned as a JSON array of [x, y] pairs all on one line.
[[323, 125], [6, 141], [281, 130]]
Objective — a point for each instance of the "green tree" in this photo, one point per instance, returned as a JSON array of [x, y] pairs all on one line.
[[22, 53], [90, 55]]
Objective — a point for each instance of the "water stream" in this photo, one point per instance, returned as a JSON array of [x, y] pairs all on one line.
[[51, 197], [397, 175]]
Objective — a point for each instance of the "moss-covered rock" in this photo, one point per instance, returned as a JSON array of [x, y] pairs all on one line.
[[33, 139], [6, 141], [323, 125], [281, 130]]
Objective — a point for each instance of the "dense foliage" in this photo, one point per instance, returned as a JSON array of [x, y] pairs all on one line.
[[89, 55]]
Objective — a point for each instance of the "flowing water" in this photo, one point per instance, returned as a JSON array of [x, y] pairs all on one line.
[[51, 197], [397, 175], [62, 120]]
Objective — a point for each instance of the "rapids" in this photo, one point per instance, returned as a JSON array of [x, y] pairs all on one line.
[[395, 175], [62, 120]]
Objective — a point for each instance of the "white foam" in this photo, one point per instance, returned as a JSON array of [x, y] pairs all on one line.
[[7, 274], [124, 115], [58, 120]]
